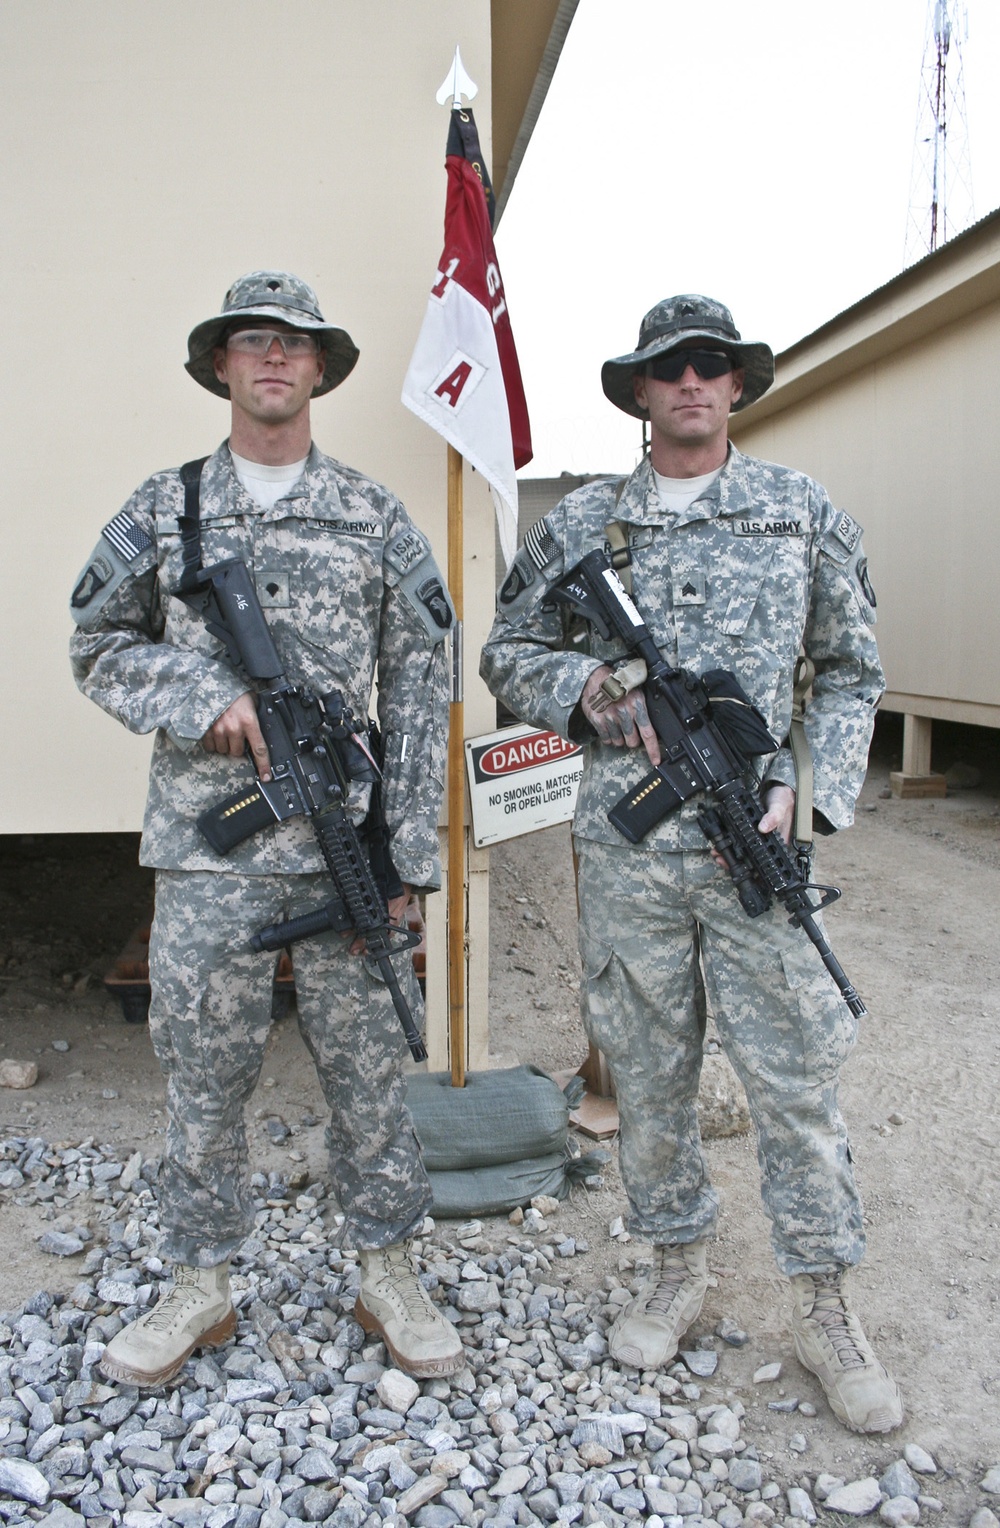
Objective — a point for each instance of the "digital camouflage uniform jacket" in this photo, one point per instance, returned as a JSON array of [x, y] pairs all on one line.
[[346, 581], [760, 564]]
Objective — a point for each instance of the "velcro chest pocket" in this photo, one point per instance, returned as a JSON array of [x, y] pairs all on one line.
[[743, 583]]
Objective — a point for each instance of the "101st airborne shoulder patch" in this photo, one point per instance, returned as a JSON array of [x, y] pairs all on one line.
[[419, 581], [520, 576], [97, 574], [124, 551], [538, 551]]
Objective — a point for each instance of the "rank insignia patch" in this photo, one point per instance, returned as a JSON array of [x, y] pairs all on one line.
[[272, 590], [689, 587]]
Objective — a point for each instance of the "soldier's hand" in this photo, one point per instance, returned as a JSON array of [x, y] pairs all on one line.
[[236, 732], [779, 817], [779, 814], [622, 723], [397, 912]]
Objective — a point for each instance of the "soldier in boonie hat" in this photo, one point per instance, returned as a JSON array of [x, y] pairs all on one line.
[[353, 603], [736, 564], [674, 323], [275, 295]]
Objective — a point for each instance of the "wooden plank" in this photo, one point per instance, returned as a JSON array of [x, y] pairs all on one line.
[[917, 787], [596, 1074], [917, 732], [596, 1117]]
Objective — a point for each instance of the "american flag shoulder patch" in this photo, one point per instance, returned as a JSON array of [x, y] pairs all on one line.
[[126, 537], [540, 544]]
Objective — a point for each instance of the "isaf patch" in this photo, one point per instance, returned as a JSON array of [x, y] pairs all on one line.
[[407, 550], [420, 583], [847, 531]]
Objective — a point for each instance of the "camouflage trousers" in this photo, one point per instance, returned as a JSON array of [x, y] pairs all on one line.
[[658, 934], [209, 1018]]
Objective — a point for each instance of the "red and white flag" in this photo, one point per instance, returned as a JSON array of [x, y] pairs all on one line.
[[464, 380]]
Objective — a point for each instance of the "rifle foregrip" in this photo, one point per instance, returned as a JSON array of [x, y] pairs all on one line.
[[364, 905], [277, 935]]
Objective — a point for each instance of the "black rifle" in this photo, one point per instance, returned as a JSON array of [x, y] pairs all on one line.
[[708, 730], [316, 751]]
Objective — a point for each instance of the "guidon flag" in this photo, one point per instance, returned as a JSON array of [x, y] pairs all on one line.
[[464, 379]]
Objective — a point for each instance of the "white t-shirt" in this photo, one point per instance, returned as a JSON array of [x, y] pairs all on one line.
[[677, 493], [266, 485]]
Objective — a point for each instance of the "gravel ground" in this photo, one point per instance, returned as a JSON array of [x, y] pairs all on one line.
[[300, 1420]]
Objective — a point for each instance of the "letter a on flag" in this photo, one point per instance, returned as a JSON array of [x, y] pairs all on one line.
[[464, 380]]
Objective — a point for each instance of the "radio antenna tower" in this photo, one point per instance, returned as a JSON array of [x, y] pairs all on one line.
[[941, 202]]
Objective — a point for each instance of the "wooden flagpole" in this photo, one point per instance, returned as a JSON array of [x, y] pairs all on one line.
[[456, 781], [456, 84]]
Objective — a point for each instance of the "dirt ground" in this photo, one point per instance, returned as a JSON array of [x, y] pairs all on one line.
[[917, 932]]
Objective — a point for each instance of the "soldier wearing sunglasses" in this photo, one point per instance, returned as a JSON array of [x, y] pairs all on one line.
[[734, 564], [348, 586]]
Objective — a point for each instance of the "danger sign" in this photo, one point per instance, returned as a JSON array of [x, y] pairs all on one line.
[[520, 779], [513, 754]]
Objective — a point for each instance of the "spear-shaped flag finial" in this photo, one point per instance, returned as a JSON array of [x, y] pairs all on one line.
[[457, 84]]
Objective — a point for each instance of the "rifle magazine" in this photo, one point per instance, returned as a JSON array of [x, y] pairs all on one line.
[[237, 818], [660, 792]]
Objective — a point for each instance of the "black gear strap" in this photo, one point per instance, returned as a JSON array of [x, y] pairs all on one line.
[[190, 523]]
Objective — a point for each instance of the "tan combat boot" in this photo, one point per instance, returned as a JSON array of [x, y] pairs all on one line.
[[646, 1334], [393, 1303], [196, 1312], [829, 1341]]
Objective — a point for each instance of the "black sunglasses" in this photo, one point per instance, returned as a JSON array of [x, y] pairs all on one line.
[[707, 363]]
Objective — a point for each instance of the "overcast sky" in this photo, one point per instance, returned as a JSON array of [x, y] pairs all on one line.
[[756, 150]]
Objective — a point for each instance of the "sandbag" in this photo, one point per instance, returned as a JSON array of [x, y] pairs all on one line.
[[497, 1190], [497, 1143], [509, 1115]]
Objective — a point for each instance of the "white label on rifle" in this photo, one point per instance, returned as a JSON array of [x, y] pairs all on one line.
[[618, 590]]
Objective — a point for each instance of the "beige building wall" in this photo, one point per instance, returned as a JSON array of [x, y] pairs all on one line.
[[155, 152], [161, 151], [891, 406]]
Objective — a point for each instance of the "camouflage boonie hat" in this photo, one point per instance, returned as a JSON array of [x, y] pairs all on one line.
[[270, 294], [677, 321]]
